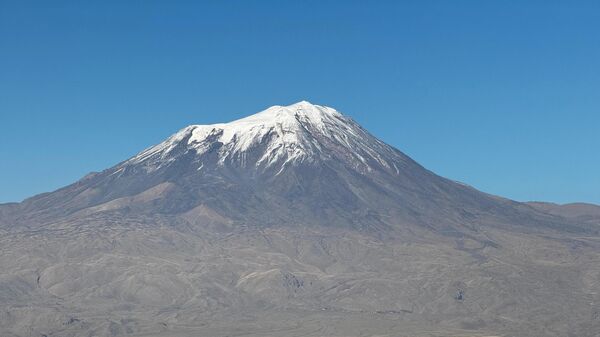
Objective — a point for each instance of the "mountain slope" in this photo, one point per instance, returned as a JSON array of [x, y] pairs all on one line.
[[291, 222]]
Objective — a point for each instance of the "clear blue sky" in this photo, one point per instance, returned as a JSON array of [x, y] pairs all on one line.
[[502, 95]]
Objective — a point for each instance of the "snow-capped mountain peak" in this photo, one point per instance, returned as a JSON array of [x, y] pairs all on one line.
[[301, 132], [287, 121]]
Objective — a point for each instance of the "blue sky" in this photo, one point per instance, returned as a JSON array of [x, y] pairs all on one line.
[[502, 95]]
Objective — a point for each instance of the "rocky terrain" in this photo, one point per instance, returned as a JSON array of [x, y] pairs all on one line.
[[292, 222]]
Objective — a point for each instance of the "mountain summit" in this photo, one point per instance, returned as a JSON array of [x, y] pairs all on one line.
[[294, 221], [278, 136]]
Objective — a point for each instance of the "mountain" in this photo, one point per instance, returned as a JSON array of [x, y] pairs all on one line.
[[294, 221], [302, 164]]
